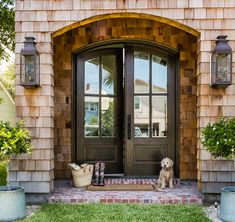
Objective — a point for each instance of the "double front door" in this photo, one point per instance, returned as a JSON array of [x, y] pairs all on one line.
[[125, 108]]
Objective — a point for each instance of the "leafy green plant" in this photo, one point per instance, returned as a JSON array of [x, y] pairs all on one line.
[[8, 78], [3, 173], [7, 28], [219, 138], [13, 140]]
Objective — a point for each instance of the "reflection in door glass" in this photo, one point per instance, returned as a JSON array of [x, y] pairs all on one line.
[[159, 116], [159, 74], [108, 74], [91, 118], [107, 118], [141, 116], [92, 76], [141, 72]]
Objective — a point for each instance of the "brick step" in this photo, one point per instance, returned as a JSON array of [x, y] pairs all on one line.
[[185, 193]]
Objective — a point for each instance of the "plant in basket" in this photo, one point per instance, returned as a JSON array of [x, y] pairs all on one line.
[[13, 140]]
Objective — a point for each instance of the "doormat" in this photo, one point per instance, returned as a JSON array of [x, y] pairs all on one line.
[[122, 187]]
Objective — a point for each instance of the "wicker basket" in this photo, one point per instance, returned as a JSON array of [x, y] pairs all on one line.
[[83, 176]]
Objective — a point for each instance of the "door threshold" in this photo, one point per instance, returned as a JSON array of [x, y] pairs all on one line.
[[122, 176], [114, 175]]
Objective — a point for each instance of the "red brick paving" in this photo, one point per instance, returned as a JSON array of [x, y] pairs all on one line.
[[184, 192]]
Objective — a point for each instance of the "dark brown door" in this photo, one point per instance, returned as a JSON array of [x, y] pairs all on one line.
[[99, 109], [150, 110], [125, 119]]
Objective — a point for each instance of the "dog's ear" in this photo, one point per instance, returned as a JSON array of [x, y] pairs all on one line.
[[172, 163], [162, 163]]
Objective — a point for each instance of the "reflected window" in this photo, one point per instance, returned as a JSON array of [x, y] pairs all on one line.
[[137, 103], [91, 106], [91, 118]]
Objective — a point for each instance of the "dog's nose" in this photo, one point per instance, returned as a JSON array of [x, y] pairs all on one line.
[[164, 165]]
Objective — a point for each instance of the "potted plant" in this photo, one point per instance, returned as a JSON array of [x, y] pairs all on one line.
[[219, 140], [13, 140]]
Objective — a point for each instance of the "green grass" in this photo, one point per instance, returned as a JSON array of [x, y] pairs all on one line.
[[3, 173], [118, 213]]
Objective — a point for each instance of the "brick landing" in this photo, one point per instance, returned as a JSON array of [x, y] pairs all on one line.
[[184, 192]]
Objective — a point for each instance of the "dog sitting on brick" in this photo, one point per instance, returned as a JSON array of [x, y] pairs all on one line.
[[166, 174]]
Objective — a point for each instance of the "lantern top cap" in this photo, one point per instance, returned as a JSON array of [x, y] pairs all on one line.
[[221, 37], [29, 46], [221, 45], [29, 40]]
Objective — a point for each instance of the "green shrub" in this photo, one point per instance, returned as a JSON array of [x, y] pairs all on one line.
[[3, 173], [219, 138], [13, 139]]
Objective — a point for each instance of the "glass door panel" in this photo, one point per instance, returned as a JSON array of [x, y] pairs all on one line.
[[150, 80], [159, 116], [99, 119], [91, 117], [109, 76], [100, 94], [141, 116], [108, 117], [141, 74], [159, 74], [92, 76]]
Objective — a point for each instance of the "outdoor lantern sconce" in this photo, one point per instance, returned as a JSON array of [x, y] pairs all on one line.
[[29, 64], [221, 63]]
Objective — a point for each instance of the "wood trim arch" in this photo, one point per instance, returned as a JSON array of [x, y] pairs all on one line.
[[156, 18]]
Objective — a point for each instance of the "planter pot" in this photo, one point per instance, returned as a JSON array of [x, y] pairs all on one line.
[[12, 203], [227, 205]]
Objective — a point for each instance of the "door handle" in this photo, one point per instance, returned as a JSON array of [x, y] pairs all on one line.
[[129, 127]]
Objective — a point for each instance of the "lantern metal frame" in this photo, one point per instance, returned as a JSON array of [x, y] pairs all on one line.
[[29, 64], [221, 63]]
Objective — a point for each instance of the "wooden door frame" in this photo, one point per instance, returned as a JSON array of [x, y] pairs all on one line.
[[129, 107], [78, 132], [174, 54]]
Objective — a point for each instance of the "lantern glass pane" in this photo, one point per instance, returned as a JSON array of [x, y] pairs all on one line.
[[22, 69], [223, 67], [213, 68], [37, 69], [29, 69]]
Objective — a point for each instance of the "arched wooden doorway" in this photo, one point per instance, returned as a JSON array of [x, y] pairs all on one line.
[[125, 107]]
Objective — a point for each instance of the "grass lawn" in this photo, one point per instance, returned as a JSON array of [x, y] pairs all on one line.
[[3, 173], [118, 212]]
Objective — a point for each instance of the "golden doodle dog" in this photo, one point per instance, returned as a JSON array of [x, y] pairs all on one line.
[[166, 174]]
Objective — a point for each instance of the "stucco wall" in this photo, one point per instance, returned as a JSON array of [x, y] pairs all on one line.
[[40, 18]]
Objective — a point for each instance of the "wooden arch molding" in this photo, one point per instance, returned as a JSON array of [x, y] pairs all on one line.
[[156, 18]]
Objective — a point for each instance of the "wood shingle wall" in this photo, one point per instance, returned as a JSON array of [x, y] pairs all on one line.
[[40, 18]]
